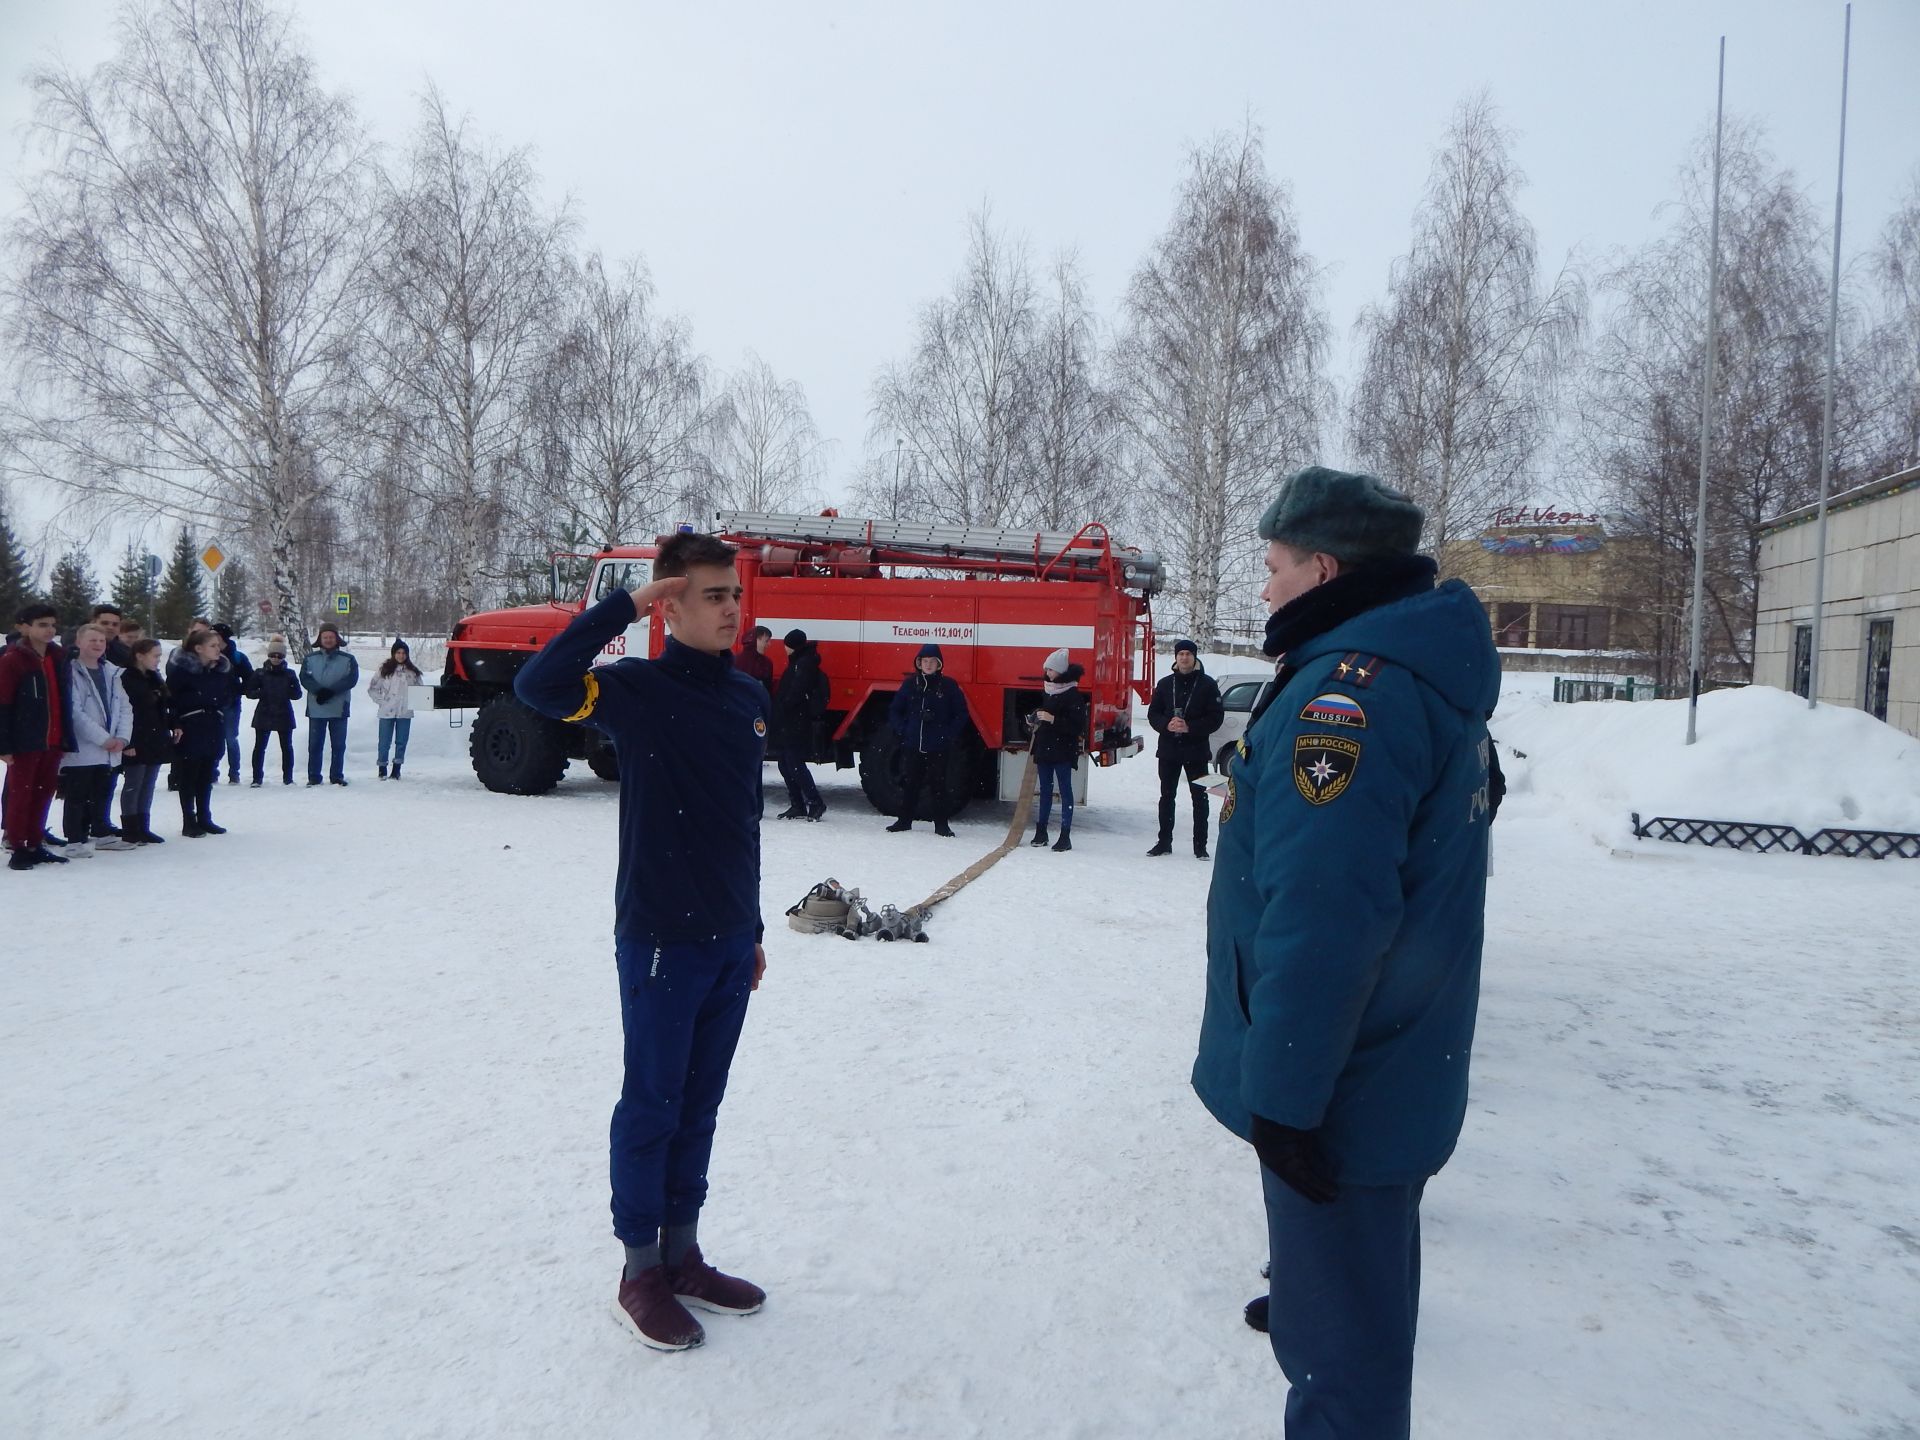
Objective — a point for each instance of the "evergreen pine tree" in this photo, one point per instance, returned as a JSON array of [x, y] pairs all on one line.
[[16, 575], [183, 594], [132, 590], [70, 590], [233, 597]]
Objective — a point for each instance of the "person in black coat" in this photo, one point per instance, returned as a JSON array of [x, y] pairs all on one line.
[[928, 714], [199, 680], [273, 686], [152, 745], [1186, 710], [1059, 733], [798, 704]]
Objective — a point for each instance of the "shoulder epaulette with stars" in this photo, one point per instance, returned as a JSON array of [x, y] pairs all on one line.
[[1357, 670]]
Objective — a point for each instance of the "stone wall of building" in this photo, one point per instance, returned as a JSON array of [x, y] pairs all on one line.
[[1556, 587], [1873, 576]]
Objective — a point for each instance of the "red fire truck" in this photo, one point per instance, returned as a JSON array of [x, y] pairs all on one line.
[[870, 593]]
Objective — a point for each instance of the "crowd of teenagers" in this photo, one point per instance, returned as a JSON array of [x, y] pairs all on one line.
[[113, 710]]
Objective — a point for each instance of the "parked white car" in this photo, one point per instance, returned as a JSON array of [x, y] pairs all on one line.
[[1237, 694]]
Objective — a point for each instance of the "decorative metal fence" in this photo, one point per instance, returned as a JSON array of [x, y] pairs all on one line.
[[1570, 689], [1761, 837]]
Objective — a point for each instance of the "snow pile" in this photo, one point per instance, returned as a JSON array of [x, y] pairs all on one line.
[[1761, 755], [327, 1157]]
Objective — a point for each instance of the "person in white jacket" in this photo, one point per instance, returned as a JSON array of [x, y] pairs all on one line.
[[102, 726], [388, 690]]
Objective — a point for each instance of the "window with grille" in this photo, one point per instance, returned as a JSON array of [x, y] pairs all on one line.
[[1802, 659], [1879, 668]]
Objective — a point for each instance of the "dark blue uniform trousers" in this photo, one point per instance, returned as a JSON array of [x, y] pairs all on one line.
[[681, 1009], [1345, 1300]]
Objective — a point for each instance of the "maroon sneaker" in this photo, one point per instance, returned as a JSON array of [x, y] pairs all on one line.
[[647, 1307], [702, 1286]]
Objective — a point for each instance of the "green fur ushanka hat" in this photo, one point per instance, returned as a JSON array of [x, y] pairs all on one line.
[[1336, 512]]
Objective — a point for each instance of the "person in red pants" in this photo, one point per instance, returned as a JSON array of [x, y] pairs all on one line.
[[36, 729]]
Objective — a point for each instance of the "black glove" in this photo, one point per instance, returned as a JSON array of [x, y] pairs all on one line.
[[321, 693], [1297, 1158]]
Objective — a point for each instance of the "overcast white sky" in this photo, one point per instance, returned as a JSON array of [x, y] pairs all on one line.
[[798, 176]]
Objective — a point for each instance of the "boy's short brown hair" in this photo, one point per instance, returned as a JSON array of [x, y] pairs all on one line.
[[682, 552]]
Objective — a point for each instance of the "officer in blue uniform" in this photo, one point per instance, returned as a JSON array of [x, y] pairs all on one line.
[[690, 733], [1344, 930]]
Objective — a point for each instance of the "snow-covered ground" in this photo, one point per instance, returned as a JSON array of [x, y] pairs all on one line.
[[302, 1129]]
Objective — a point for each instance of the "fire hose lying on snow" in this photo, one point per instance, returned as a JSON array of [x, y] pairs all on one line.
[[832, 907]]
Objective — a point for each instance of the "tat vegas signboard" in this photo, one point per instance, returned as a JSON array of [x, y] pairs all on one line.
[[1500, 539], [1512, 516]]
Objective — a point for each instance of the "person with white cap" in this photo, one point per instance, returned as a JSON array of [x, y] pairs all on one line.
[[1059, 733], [273, 687]]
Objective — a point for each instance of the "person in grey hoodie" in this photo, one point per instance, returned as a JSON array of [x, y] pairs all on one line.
[[102, 726], [328, 675]]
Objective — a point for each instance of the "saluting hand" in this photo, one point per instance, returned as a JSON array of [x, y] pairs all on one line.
[[647, 595]]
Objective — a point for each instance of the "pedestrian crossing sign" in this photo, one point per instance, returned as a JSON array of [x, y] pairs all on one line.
[[342, 602]]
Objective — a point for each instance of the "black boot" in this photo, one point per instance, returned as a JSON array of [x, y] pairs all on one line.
[[383, 769], [793, 812], [1200, 847], [1065, 842], [902, 824], [1162, 846], [394, 774], [1039, 835], [941, 828], [1256, 1313]]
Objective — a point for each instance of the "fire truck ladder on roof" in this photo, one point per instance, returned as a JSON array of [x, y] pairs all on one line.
[[1048, 555]]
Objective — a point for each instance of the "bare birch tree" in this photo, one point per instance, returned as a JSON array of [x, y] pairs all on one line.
[[1890, 358], [1640, 404], [962, 403], [464, 290], [766, 451], [1219, 374], [182, 304], [1462, 362], [622, 410], [1073, 474]]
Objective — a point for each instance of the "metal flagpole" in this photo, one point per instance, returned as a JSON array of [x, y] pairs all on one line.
[[1826, 422], [1706, 412]]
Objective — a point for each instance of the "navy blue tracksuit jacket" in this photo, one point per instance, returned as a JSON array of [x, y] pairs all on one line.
[[690, 732]]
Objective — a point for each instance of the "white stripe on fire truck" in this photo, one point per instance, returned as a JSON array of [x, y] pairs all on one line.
[[940, 632]]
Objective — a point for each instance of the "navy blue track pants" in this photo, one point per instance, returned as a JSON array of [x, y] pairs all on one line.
[[681, 1009], [1345, 1302]]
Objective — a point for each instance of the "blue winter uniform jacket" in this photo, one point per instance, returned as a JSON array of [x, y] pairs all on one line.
[[690, 735], [1345, 920]]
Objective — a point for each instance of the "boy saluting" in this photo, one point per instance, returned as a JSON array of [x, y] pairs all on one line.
[[689, 731]]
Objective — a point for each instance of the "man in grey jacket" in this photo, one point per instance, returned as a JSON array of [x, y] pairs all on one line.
[[328, 675]]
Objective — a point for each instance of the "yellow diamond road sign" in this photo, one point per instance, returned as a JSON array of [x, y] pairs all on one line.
[[213, 557]]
